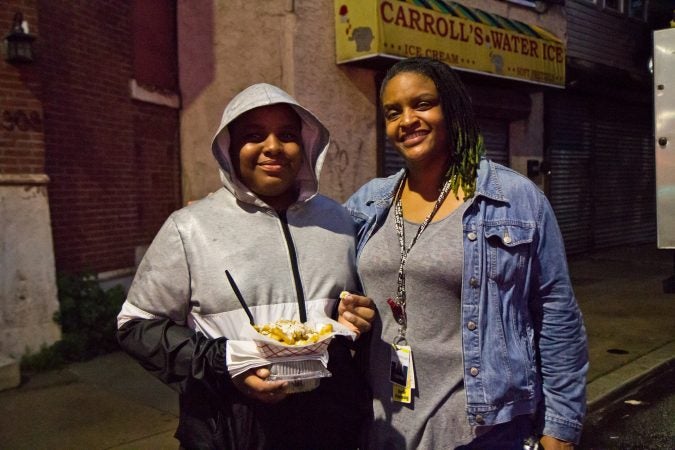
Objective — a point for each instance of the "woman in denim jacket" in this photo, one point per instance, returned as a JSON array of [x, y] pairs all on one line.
[[466, 265]]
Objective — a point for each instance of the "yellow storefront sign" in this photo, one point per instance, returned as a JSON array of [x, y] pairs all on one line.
[[465, 38]]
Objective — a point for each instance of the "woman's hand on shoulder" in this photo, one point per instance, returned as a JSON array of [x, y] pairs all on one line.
[[253, 384], [356, 312]]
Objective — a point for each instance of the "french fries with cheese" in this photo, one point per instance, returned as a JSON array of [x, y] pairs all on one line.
[[292, 332]]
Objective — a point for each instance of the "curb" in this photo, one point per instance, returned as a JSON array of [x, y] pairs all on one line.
[[612, 387]]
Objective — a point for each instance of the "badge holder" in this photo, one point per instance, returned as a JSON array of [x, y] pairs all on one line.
[[402, 373], [401, 368]]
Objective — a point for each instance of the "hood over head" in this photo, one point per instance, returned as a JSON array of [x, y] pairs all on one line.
[[315, 141]]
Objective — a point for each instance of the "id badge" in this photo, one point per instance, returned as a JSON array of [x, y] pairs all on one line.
[[402, 373]]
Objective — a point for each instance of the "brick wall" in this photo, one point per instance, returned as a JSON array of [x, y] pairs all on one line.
[[21, 139], [113, 161]]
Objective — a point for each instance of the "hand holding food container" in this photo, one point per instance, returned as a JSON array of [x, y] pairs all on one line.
[[295, 352]]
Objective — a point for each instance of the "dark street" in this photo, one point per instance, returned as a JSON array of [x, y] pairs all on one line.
[[642, 419]]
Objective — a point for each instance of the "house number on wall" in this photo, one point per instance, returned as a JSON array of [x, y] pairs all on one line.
[[23, 120]]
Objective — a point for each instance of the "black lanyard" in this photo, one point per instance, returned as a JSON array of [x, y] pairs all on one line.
[[398, 306]]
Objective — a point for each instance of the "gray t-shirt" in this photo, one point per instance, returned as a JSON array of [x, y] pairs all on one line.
[[436, 417]]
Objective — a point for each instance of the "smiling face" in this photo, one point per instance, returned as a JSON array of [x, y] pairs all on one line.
[[266, 152], [414, 120]]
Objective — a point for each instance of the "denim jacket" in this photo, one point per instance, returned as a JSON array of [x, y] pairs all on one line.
[[523, 339]]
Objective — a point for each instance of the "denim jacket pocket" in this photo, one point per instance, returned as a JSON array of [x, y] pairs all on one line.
[[508, 247]]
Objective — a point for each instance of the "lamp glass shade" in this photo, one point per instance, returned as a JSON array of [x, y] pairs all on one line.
[[19, 47]]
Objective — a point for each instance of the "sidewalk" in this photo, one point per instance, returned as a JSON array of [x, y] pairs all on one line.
[[106, 403], [112, 403], [629, 320]]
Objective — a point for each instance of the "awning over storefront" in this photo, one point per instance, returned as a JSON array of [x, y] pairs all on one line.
[[465, 38]]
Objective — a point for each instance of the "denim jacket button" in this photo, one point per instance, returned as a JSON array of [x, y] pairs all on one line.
[[474, 371], [507, 239], [472, 236], [473, 282], [471, 325], [479, 419]]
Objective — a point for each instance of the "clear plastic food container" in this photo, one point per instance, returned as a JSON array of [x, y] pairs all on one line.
[[302, 376]]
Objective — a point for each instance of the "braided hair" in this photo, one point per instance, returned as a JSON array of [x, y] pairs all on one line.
[[458, 115]]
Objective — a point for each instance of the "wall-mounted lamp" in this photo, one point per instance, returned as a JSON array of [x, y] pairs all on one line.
[[19, 43]]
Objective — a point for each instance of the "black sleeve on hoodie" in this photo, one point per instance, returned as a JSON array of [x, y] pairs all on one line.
[[176, 354]]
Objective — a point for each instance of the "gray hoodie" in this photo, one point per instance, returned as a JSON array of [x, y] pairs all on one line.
[[315, 139], [181, 310], [275, 261]]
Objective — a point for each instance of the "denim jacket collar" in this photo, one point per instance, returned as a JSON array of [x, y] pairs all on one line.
[[489, 184], [384, 193]]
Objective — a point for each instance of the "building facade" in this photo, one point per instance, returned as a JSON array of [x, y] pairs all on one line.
[[108, 130], [599, 129], [89, 152], [27, 272], [225, 46], [586, 140]]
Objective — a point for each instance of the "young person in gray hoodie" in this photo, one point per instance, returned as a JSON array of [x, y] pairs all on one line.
[[290, 252]]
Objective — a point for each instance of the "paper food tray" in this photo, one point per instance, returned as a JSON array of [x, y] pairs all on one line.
[[272, 349]]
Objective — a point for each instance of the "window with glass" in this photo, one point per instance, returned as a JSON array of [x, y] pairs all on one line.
[[636, 9], [614, 5]]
